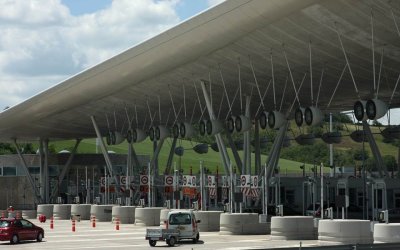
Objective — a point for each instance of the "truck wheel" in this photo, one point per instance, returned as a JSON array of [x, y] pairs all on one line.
[[152, 243], [171, 242], [195, 240]]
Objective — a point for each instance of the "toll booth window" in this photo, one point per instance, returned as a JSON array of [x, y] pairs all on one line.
[[53, 171], [9, 171], [34, 170], [179, 219]]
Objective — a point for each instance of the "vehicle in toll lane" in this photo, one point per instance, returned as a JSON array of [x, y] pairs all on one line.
[[16, 230], [180, 224]]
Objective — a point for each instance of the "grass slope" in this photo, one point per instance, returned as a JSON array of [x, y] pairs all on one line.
[[211, 160]]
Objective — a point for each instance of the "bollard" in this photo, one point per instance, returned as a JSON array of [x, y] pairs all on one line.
[[2, 214], [117, 223], [52, 222], [93, 221], [18, 216], [73, 225], [42, 218]]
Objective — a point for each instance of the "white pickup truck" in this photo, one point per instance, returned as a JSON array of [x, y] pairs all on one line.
[[181, 224]]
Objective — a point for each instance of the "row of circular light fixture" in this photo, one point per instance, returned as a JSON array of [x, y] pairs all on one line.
[[184, 130], [371, 109]]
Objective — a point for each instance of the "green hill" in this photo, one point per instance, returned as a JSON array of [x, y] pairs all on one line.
[[299, 154], [211, 160]]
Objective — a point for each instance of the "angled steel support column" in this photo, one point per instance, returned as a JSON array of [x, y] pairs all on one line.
[[257, 151], [154, 159], [277, 150], [135, 159], [273, 157], [155, 162], [129, 172], [42, 186], [102, 146], [46, 167], [246, 148], [28, 175], [270, 155], [235, 153], [225, 162], [65, 169], [129, 162], [375, 151], [221, 146], [171, 156]]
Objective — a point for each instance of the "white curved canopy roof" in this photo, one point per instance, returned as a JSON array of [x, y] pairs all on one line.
[[217, 38]]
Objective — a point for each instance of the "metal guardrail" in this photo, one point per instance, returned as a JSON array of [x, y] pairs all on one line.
[[383, 246]]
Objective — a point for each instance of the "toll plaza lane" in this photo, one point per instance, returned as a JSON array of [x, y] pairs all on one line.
[[105, 236]]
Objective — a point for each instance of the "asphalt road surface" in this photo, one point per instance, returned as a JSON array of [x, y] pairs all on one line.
[[105, 236]]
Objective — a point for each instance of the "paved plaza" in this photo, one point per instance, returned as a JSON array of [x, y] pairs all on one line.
[[105, 236]]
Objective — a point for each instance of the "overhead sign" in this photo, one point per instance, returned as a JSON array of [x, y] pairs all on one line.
[[110, 187], [225, 181], [254, 181], [189, 181], [185, 180], [245, 180], [126, 180], [212, 191], [111, 180], [144, 180], [122, 180], [188, 191], [169, 180], [193, 180], [211, 182]]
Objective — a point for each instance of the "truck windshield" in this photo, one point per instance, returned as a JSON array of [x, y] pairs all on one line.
[[179, 219]]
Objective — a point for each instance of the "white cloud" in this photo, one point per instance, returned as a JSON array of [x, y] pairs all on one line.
[[41, 43]]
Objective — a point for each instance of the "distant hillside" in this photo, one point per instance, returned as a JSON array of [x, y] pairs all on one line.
[[189, 159], [298, 154]]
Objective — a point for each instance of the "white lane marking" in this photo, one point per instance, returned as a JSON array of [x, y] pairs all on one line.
[[88, 235], [104, 246]]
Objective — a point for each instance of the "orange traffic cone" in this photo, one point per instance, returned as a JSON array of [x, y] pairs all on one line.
[[93, 221], [52, 222], [117, 223], [73, 225]]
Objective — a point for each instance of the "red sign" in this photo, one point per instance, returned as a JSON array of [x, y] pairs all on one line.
[[144, 189], [188, 191], [168, 189]]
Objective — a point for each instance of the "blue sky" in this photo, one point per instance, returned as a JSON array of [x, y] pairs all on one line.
[[79, 7], [185, 8]]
